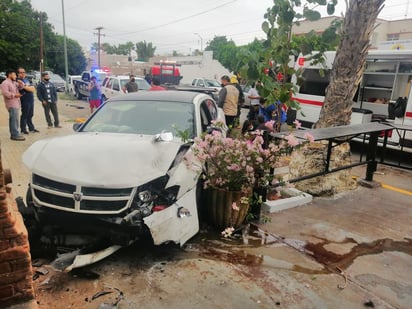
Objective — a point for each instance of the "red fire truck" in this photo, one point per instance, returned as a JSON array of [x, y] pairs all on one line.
[[168, 72]]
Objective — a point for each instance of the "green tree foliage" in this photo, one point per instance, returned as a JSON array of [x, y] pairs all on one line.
[[109, 49], [20, 39], [224, 51], [145, 50], [126, 49], [279, 48], [75, 57]]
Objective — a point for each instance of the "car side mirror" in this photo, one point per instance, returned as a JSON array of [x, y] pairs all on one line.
[[164, 136], [76, 126], [79, 122]]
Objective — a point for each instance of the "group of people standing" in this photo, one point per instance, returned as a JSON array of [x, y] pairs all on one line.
[[231, 99], [18, 93], [261, 113], [95, 93]]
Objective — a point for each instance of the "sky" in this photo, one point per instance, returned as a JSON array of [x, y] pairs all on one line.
[[180, 25]]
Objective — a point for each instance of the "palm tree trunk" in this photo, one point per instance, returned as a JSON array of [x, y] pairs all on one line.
[[348, 66]]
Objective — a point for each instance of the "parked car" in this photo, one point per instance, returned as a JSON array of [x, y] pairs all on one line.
[[136, 182], [81, 85], [113, 85], [71, 83], [57, 80], [2, 76], [208, 83]]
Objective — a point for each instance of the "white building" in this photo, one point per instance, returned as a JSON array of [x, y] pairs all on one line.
[[397, 31]]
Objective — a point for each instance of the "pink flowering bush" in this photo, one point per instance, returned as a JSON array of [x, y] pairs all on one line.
[[237, 164]]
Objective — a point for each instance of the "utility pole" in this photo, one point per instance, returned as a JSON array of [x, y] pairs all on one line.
[[99, 34], [66, 65], [41, 44], [201, 41]]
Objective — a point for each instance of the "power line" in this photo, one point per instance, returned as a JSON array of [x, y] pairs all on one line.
[[180, 19]]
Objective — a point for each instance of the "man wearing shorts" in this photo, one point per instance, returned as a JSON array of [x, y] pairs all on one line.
[[95, 94]]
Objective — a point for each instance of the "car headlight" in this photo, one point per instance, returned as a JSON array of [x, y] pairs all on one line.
[[183, 212], [145, 196]]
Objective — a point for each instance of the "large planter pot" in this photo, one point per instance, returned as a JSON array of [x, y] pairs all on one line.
[[220, 211]]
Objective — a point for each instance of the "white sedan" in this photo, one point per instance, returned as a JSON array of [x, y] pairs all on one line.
[[121, 174]]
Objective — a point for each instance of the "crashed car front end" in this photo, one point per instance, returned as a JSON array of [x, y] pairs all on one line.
[[157, 197], [119, 177]]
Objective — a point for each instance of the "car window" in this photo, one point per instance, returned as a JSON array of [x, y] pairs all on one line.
[[212, 83], [200, 83], [105, 82], [208, 112], [123, 82], [86, 77], [142, 117], [109, 83], [116, 85]]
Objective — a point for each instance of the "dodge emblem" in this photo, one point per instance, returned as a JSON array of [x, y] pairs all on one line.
[[77, 196]]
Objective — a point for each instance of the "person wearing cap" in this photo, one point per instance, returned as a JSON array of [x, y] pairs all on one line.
[[235, 82], [241, 99], [228, 100]]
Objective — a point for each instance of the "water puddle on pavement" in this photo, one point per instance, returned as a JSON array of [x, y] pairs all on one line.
[[245, 248], [254, 247], [241, 248], [343, 261]]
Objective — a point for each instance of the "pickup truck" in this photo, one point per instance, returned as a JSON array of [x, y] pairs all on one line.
[[81, 85]]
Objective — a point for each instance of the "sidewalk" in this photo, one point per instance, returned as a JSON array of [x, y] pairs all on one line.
[[11, 151]]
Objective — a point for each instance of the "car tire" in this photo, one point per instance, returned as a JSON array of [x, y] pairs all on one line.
[[103, 99]]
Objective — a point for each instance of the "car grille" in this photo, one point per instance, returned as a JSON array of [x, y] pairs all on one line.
[[76, 198]]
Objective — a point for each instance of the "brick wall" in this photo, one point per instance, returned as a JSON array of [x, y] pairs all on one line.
[[15, 261]]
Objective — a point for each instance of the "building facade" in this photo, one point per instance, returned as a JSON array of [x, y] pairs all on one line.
[[388, 34]]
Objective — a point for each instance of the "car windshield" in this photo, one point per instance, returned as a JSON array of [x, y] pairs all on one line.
[[212, 83], [142, 84], [142, 117]]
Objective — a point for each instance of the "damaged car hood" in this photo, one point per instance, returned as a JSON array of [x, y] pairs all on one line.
[[101, 159]]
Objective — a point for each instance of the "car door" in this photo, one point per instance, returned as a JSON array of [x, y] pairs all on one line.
[[111, 88], [115, 87], [106, 89]]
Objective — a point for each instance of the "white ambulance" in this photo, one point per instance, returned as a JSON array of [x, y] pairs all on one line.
[[385, 85]]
